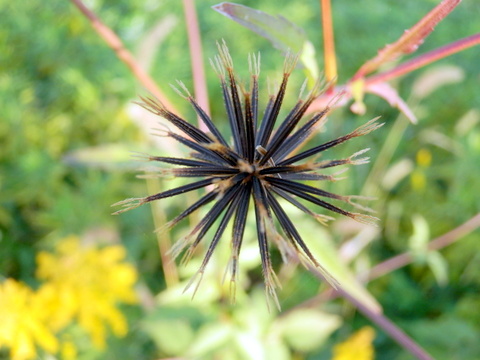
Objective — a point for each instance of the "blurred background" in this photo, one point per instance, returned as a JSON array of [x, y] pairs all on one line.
[[68, 125]]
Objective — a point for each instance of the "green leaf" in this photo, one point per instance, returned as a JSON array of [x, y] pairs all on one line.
[[249, 345], [171, 328], [283, 34], [309, 61], [297, 328], [322, 247], [419, 240], [446, 337], [276, 349], [211, 337], [439, 266]]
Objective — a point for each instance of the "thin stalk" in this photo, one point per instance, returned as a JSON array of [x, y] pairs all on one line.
[[385, 155], [399, 261], [425, 59], [196, 56], [406, 258], [388, 327], [381, 321], [163, 239], [400, 70], [328, 44], [114, 42], [411, 38]]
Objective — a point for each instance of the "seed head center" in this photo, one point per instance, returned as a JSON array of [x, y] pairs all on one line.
[[247, 167]]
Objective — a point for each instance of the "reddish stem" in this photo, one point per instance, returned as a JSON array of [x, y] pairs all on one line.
[[410, 40], [328, 44], [389, 327], [406, 258], [381, 321], [196, 56], [402, 69], [398, 261], [425, 59], [114, 42]]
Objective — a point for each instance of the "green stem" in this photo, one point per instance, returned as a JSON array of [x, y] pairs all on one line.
[[385, 155]]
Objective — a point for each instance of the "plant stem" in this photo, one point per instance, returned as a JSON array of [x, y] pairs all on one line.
[[163, 239], [328, 43], [398, 261], [406, 258], [400, 70], [411, 38], [196, 56], [389, 327], [425, 59], [385, 155], [114, 42], [380, 320]]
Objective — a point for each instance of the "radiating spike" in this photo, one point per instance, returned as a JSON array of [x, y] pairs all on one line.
[[291, 231], [289, 124], [269, 122], [200, 112], [249, 130], [177, 161], [230, 114], [156, 107], [237, 122], [254, 66], [212, 151], [261, 213], [302, 134], [326, 205], [362, 130], [238, 230], [268, 110], [305, 188], [213, 244], [199, 203], [206, 223], [202, 171]]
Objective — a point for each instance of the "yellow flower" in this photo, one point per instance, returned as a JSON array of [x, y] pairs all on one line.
[[356, 347], [22, 322], [424, 158], [68, 350], [85, 284], [418, 178]]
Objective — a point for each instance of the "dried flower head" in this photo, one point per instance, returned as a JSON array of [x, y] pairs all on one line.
[[262, 164]]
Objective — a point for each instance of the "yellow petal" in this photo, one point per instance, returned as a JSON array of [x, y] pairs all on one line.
[[356, 347]]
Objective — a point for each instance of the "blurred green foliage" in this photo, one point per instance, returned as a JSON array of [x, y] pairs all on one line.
[[64, 91]]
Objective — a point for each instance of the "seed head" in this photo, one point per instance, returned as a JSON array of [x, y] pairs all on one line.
[[262, 163]]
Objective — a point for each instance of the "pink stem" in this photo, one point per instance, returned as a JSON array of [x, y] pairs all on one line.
[[410, 40], [381, 321], [389, 327], [425, 59], [196, 56], [114, 42], [401, 260]]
